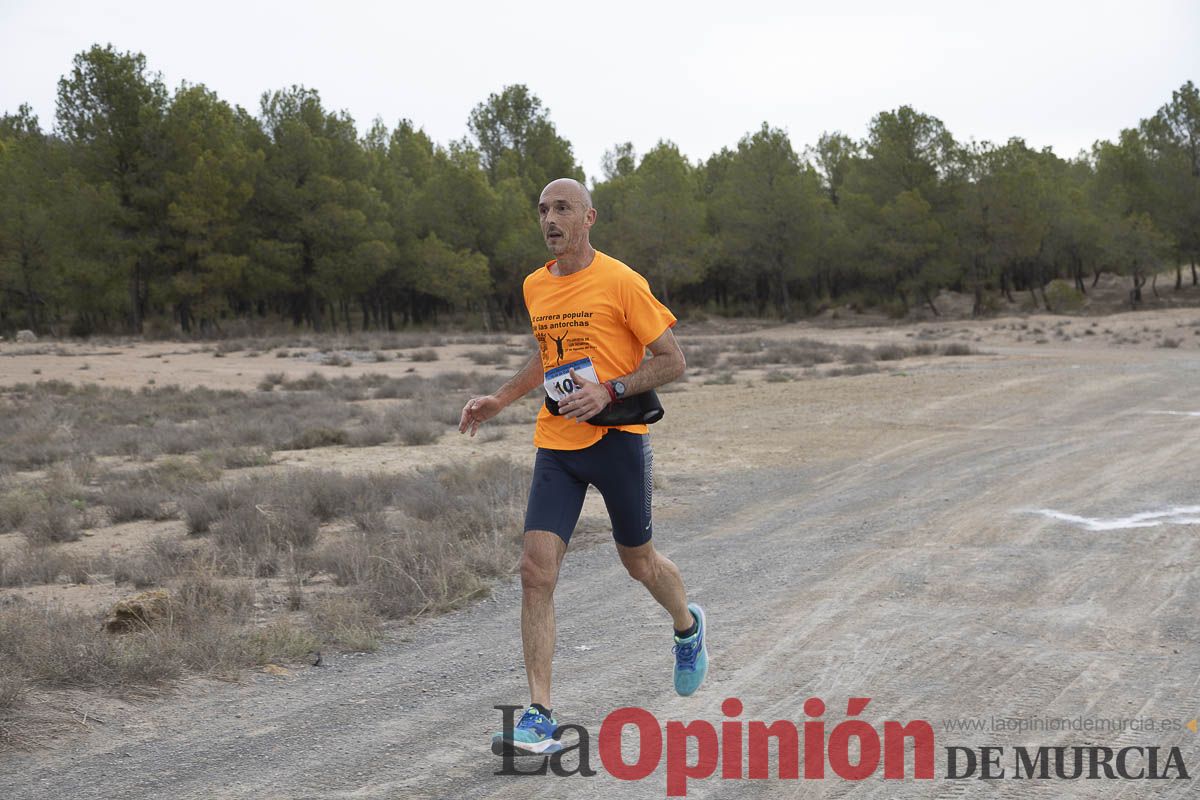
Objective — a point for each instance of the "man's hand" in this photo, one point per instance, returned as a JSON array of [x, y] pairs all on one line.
[[477, 411], [585, 402]]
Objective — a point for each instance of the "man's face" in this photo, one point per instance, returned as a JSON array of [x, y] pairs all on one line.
[[564, 218]]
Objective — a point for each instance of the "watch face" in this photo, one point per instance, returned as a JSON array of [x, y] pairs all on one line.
[[619, 388]]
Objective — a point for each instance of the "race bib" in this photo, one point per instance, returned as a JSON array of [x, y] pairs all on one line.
[[558, 380]]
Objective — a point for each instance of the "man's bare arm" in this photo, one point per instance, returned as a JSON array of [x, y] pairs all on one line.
[[525, 381], [480, 409], [592, 398], [667, 365]]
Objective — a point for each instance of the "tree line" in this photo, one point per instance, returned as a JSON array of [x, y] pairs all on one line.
[[144, 205]]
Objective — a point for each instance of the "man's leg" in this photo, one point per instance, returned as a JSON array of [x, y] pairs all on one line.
[[624, 474], [627, 484], [540, 561], [660, 575]]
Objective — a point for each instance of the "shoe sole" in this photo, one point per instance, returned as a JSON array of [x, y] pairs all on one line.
[[505, 747]]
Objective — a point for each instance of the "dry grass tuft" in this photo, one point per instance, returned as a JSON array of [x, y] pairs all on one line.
[[44, 564], [448, 534], [346, 621], [428, 354], [55, 519]]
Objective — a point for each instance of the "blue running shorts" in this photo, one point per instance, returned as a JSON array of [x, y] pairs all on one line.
[[620, 465]]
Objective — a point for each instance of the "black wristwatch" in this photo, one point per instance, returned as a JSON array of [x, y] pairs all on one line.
[[618, 389]]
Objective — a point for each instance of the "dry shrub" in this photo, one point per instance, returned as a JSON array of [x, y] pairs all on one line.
[[329, 495], [14, 508], [494, 434], [414, 430], [51, 424], [478, 338], [55, 519], [486, 358], [349, 622], [336, 360], [348, 389], [236, 457], [313, 381], [163, 558], [201, 507], [742, 345], [175, 473], [427, 354], [856, 354], [889, 352], [457, 527], [129, 503], [272, 379], [60, 648], [42, 564], [853, 369], [403, 387], [281, 641], [206, 627], [702, 356], [254, 521], [801, 353], [30, 436], [465, 382], [374, 431], [203, 594], [318, 436], [405, 572], [258, 531]]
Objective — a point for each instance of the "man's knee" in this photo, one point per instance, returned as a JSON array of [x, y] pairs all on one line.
[[539, 566], [641, 566]]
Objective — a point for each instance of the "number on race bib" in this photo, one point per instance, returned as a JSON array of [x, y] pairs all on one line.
[[558, 381]]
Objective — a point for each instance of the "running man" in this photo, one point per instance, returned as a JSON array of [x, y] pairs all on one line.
[[612, 319]]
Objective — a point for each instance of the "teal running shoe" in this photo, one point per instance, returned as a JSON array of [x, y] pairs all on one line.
[[691, 656], [532, 736]]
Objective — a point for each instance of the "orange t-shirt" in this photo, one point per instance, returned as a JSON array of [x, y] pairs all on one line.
[[606, 312]]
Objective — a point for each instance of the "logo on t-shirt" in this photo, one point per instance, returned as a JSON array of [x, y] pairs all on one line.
[[569, 332], [558, 342]]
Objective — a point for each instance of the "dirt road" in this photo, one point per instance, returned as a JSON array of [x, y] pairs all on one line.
[[869, 536]]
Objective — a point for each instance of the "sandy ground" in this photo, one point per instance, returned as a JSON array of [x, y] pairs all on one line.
[[871, 536]]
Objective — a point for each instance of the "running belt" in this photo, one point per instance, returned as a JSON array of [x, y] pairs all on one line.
[[637, 409]]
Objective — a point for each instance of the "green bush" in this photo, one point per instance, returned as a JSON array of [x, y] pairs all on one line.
[[1062, 296]]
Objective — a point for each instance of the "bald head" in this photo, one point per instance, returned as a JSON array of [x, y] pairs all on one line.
[[571, 188], [566, 215]]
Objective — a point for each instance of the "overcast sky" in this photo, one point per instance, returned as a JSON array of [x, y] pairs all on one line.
[[702, 74]]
